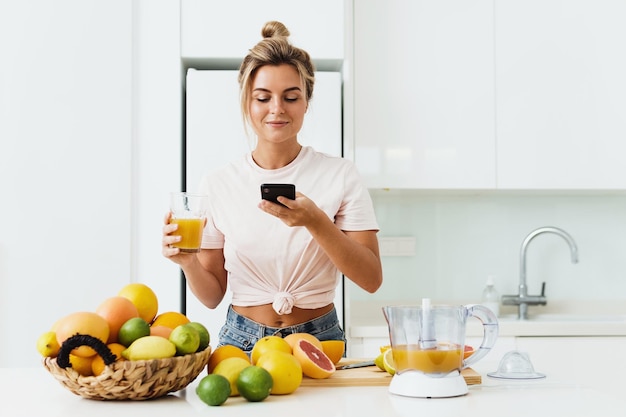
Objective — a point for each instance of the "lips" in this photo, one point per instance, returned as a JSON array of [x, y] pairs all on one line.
[[277, 123]]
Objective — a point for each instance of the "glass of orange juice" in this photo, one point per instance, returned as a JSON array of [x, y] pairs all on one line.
[[189, 213]]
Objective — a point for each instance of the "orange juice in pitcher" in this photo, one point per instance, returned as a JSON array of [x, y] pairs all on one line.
[[442, 359]]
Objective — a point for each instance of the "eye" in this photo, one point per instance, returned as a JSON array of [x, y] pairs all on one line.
[[262, 99], [291, 99]]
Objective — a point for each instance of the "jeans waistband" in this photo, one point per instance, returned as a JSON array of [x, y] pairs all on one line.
[[316, 325]]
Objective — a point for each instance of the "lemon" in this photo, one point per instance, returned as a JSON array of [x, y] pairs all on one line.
[[388, 363], [47, 345], [143, 298], [268, 343], [230, 368], [285, 369], [205, 337], [254, 383], [186, 339], [132, 330], [213, 389], [379, 362], [149, 347]]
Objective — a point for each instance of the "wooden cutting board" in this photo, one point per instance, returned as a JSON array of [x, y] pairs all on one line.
[[370, 376]]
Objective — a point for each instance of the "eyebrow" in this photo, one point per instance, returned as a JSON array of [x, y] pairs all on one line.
[[285, 91]]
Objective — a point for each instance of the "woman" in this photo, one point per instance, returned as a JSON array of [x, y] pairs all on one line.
[[281, 261]]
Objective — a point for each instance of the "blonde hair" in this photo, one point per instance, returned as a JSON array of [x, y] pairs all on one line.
[[274, 49]]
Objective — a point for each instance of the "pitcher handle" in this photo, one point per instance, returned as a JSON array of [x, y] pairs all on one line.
[[490, 332]]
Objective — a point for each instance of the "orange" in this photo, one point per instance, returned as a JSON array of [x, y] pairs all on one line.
[[83, 322], [162, 331], [266, 344], [143, 298], [97, 365], [294, 337], [285, 370], [315, 363], [171, 319], [116, 311], [82, 365], [334, 349], [223, 352]]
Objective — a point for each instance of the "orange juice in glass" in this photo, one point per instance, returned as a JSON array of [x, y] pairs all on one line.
[[189, 213]]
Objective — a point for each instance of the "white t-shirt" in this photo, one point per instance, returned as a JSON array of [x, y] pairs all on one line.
[[268, 261]]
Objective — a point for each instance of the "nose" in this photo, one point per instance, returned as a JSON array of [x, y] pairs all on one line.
[[276, 106]]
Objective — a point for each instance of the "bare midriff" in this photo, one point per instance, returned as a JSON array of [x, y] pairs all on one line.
[[266, 315]]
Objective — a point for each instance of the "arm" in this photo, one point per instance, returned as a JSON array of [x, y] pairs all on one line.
[[204, 271], [355, 254]]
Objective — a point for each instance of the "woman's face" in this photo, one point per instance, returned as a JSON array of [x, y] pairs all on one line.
[[277, 103]]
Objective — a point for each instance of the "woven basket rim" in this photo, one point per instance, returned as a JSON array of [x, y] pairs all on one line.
[[133, 380]]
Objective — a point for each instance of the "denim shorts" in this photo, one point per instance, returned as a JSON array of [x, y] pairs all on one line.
[[243, 332]]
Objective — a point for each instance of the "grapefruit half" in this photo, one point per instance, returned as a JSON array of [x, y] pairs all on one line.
[[315, 363]]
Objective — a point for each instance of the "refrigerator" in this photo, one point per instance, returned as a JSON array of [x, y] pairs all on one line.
[[214, 136]]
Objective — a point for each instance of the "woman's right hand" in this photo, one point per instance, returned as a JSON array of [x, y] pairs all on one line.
[[172, 253]]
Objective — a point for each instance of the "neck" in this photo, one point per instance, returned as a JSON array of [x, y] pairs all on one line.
[[274, 157]]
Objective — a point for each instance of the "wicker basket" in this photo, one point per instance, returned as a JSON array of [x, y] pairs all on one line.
[[133, 380]]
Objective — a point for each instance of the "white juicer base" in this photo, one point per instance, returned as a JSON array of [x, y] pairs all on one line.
[[418, 384]]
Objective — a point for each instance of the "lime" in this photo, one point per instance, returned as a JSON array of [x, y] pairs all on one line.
[[132, 330], [185, 338], [213, 389], [254, 383], [205, 338]]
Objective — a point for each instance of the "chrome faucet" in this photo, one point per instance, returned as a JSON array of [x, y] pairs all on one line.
[[523, 300]]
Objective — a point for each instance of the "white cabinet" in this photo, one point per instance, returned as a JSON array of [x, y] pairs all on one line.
[[424, 93], [475, 94], [228, 29], [560, 94], [582, 360]]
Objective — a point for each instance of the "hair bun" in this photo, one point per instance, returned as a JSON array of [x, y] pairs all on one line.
[[275, 29]]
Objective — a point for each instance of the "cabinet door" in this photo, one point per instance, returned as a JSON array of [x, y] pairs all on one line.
[[582, 360], [561, 94], [423, 93], [215, 137]]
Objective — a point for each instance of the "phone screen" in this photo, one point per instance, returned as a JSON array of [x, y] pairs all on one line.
[[271, 192]]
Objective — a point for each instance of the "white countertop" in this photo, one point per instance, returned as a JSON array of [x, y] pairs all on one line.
[[33, 392]]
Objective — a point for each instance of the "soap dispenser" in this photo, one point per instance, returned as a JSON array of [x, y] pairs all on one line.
[[491, 298]]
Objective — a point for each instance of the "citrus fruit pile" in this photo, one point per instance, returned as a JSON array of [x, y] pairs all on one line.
[[275, 366], [129, 325]]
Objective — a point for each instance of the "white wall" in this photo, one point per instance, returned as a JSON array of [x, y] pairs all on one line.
[[461, 238], [65, 163]]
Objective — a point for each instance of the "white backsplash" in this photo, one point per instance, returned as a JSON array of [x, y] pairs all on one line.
[[463, 237]]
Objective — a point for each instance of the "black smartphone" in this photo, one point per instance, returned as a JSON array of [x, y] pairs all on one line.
[[270, 192]]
